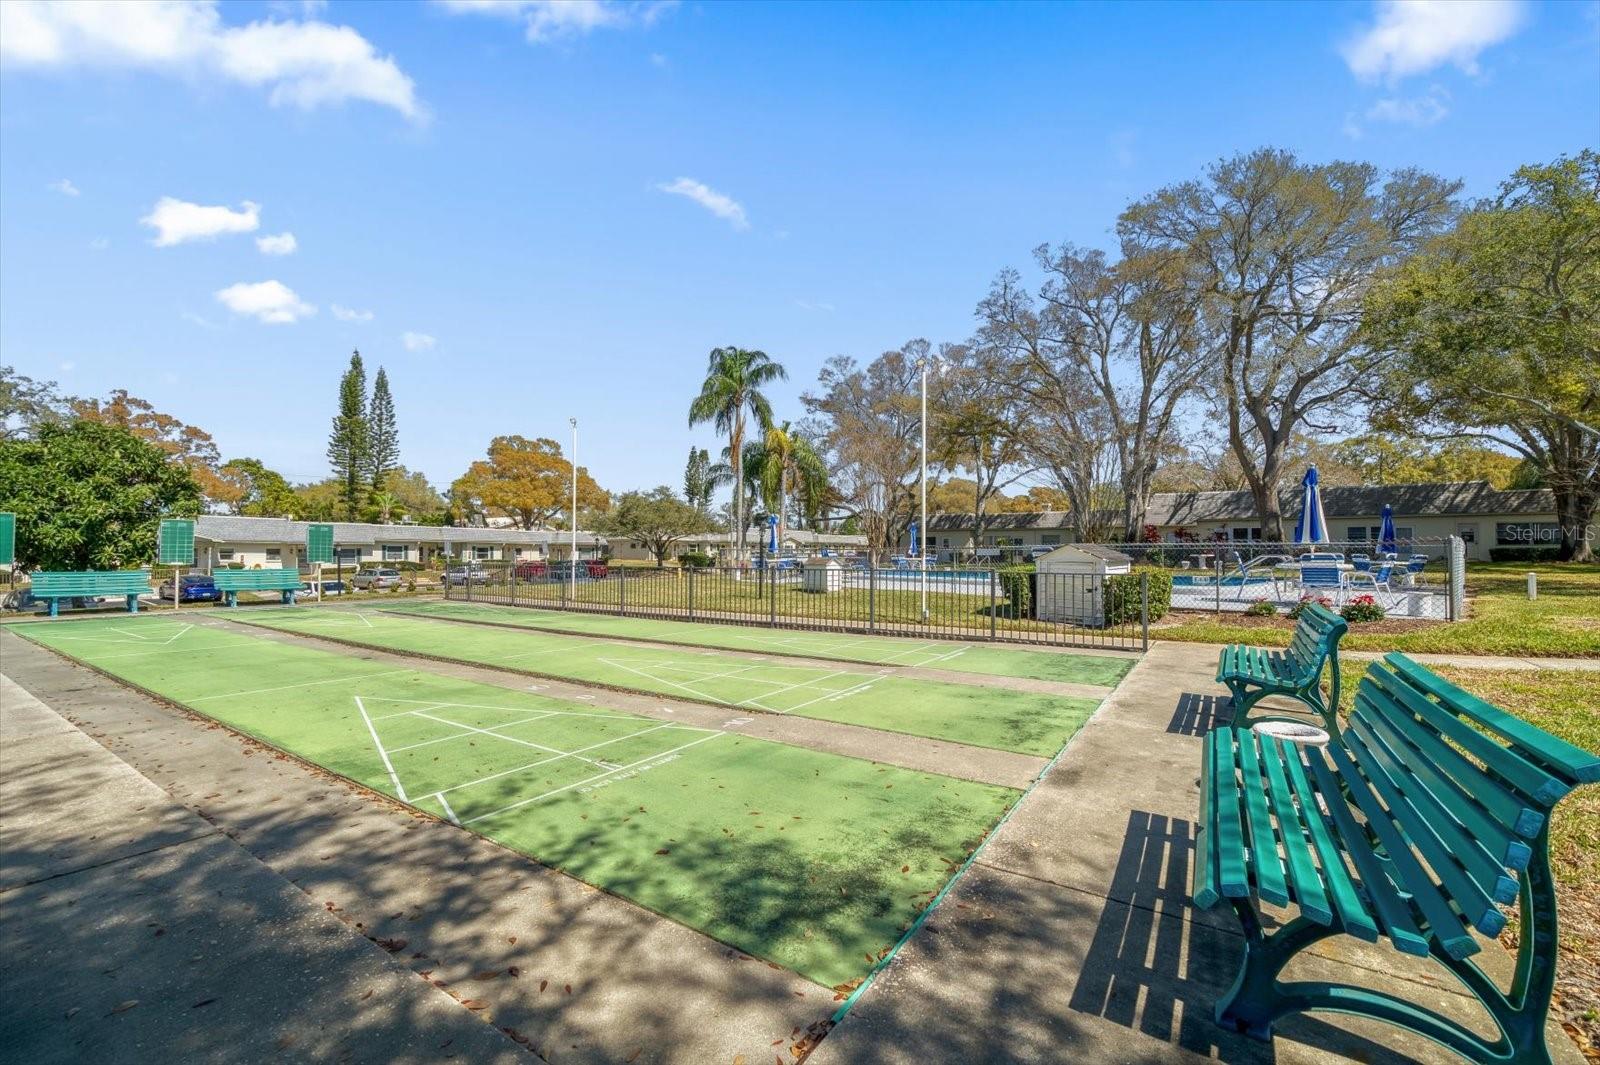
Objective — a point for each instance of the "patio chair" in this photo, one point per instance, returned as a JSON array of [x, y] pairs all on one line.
[[1362, 563], [1377, 580], [1321, 576]]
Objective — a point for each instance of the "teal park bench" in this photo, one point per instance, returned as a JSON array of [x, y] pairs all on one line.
[[1253, 673], [230, 582], [58, 585], [1427, 815]]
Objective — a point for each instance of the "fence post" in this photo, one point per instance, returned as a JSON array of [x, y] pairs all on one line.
[[994, 602], [872, 594], [563, 584], [772, 599], [622, 590], [1144, 609], [513, 580], [1456, 597], [691, 592], [1217, 582]]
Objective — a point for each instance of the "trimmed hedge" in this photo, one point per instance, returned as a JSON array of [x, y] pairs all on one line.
[[696, 560], [1524, 554], [1122, 595], [1017, 582]]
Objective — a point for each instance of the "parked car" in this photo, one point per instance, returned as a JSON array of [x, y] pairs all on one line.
[[197, 588], [587, 567], [466, 575], [377, 579], [533, 570]]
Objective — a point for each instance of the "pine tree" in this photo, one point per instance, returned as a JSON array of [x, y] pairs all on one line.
[[694, 479], [347, 443], [383, 440]]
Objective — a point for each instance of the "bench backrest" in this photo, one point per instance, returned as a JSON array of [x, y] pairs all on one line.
[[50, 584], [1457, 792], [1316, 636], [256, 580]]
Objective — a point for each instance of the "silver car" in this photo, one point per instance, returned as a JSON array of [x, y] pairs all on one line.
[[377, 579]]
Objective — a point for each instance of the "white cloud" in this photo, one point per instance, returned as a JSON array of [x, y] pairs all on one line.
[[814, 305], [67, 366], [1415, 36], [66, 187], [658, 60], [545, 20], [304, 64], [417, 341], [271, 302], [346, 314], [282, 244], [1413, 110], [195, 319], [99, 244], [719, 204], [177, 221]]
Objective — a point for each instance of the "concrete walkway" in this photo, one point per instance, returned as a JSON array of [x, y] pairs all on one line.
[[132, 930], [1073, 939]]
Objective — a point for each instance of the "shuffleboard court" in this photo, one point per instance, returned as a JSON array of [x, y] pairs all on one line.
[[981, 658], [1025, 722], [814, 861]]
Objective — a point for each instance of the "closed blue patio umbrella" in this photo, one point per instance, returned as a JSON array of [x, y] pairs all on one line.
[[1386, 537], [1312, 528]]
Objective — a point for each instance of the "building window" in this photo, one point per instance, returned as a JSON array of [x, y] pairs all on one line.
[[1374, 533], [394, 552], [275, 554], [1007, 541], [1527, 533], [1242, 533], [1468, 531], [224, 554], [1050, 538], [351, 555], [481, 553]]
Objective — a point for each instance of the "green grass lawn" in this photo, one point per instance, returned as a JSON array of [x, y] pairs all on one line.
[[811, 860], [1563, 622], [1025, 722]]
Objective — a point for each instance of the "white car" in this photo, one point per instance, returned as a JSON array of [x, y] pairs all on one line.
[[377, 579]]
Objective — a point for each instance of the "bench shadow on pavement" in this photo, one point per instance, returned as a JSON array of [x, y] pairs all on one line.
[[1195, 715], [1153, 969]]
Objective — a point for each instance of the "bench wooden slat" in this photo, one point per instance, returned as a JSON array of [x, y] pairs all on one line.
[[1308, 889], [1335, 874], [1206, 881], [1561, 758], [1476, 904], [90, 582], [1444, 925], [1502, 843], [1430, 726], [1454, 844], [1387, 903], [257, 580], [1264, 860], [1229, 829]]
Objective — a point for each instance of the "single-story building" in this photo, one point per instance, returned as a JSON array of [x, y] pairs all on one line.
[[805, 542], [1483, 516], [223, 540]]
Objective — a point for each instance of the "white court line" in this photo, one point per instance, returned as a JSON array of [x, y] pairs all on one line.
[[175, 635], [662, 680], [448, 812], [304, 684], [859, 688], [557, 758], [591, 780], [190, 649], [434, 704], [486, 732], [801, 684], [136, 635], [393, 776], [459, 735]]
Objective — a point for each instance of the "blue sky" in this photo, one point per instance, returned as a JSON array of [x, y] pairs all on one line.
[[536, 212]]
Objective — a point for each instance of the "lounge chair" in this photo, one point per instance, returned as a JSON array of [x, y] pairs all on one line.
[[1321, 576], [1377, 580]]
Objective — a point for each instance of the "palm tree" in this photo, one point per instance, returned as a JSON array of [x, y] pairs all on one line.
[[386, 503], [734, 379], [790, 469]]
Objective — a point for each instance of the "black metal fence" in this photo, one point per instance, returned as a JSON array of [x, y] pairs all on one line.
[[1067, 609]]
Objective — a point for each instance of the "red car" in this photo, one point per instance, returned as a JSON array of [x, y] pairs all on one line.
[[532, 571]]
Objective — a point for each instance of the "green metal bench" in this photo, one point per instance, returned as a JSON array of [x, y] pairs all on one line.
[[1253, 673], [230, 582], [58, 585], [1417, 825]]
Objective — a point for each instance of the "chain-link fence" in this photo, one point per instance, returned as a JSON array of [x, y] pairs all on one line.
[[1421, 580], [1089, 609]]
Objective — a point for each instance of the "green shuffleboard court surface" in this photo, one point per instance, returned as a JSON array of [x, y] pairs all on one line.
[[1025, 722], [814, 861], [997, 661]]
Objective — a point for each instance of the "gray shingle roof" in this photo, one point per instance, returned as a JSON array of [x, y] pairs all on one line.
[[228, 528], [1444, 499]]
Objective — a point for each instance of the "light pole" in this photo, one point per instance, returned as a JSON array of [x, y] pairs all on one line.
[[572, 560], [922, 525]]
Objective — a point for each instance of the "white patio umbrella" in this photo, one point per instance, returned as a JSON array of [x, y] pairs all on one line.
[[1312, 528]]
